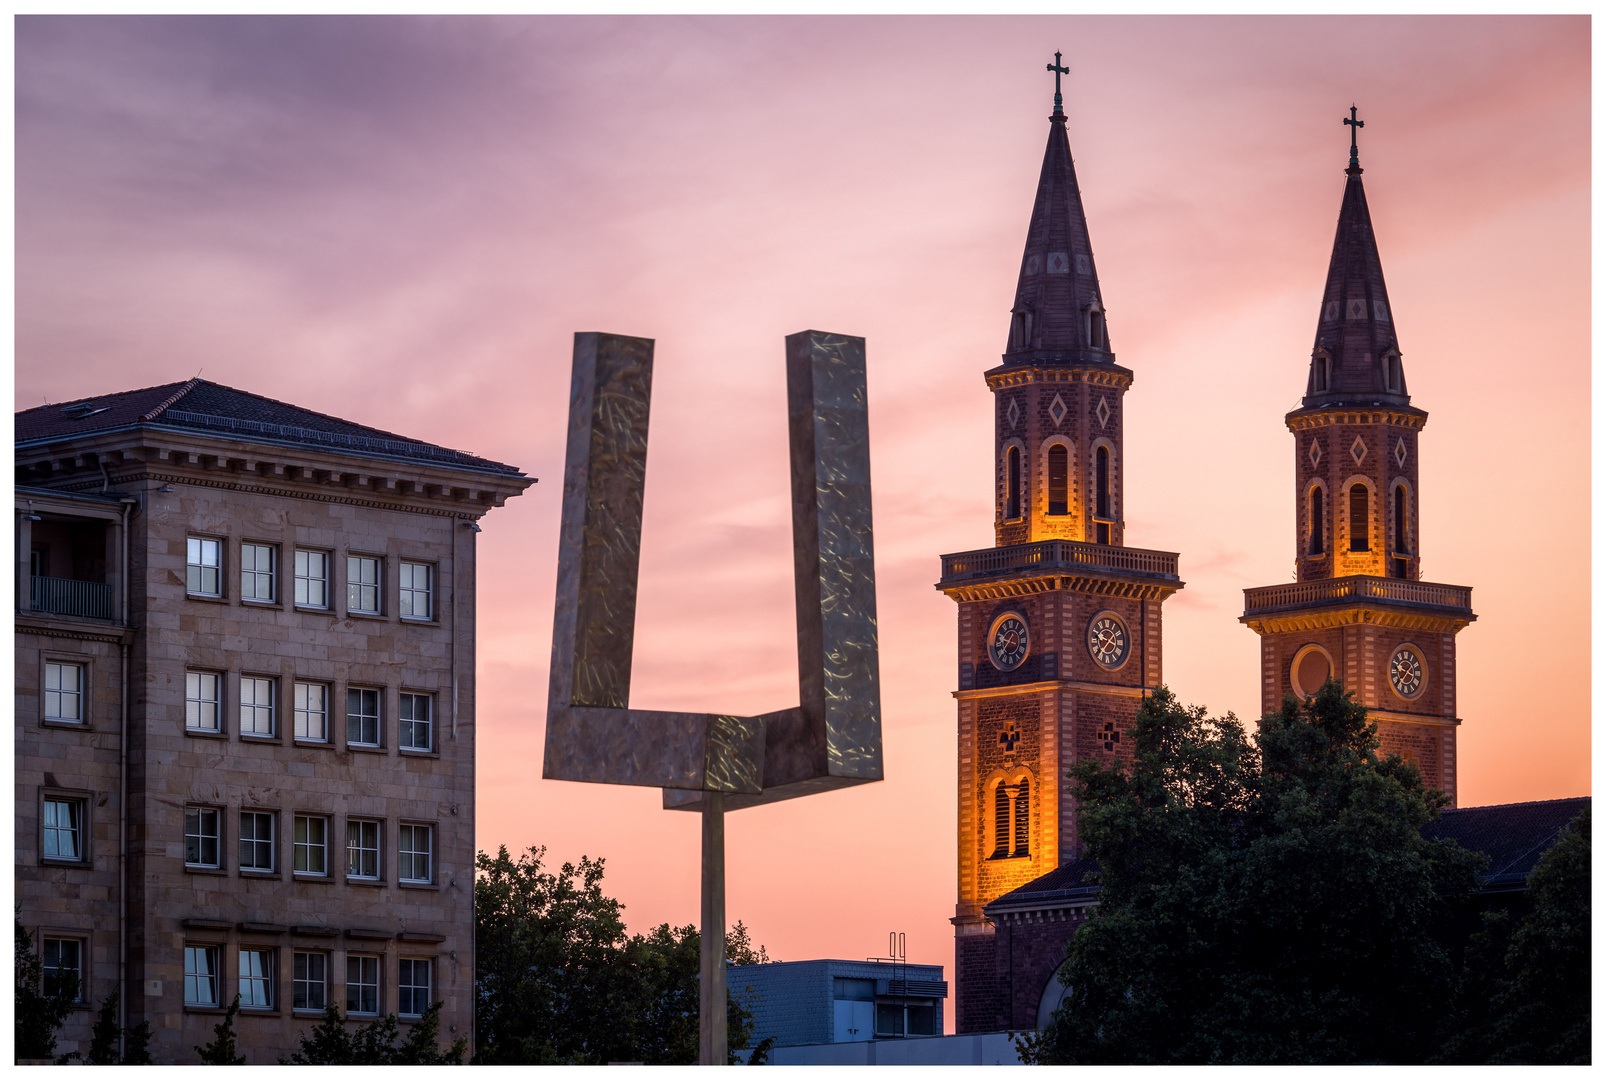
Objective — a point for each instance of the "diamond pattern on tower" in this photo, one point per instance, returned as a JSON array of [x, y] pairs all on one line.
[[1399, 452], [1013, 414], [1057, 410], [1357, 450], [1315, 453], [1103, 412]]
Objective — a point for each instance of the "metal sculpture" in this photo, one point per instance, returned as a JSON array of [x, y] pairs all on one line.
[[712, 762]]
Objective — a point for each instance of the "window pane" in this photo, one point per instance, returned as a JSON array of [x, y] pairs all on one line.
[[415, 591], [415, 722], [312, 712], [200, 975], [256, 572], [256, 706], [201, 700], [414, 986], [362, 717], [62, 823], [310, 981], [362, 984], [256, 979], [362, 584], [312, 578], [201, 836], [64, 692], [311, 845]]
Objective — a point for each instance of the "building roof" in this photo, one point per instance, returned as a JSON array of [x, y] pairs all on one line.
[[212, 408], [1513, 835]]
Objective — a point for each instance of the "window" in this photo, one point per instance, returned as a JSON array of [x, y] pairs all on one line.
[[203, 567], [416, 599], [1101, 481], [256, 841], [1058, 477], [1012, 484], [1001, 821], [64, 692], [1402, 536], [1322, 366], [362, 985], [63, 829], [1391, 373], [312, 579], [1318, 522], [256, 572], [1023, 818], [362, 849], [413, 981], [310, 989], [200, 975], [414, 853], [311, 844], [256, 705], [201, 836], [362, 717], [362, 584], [64, 968], [1012, 820], [415, 723], [1095, 328], [312, 712], [256, 979], [1358, 507], [202, 700]]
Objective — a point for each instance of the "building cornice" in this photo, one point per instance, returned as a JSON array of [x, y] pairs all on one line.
[[1025, 374], [34, 623], [1053, 684], [1326, 618], [1334, 415]]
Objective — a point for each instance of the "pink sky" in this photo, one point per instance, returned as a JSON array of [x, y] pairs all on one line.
[[404, 221]]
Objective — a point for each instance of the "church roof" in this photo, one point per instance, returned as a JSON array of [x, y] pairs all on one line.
[[1059, 281], [215, 409], [1513, 835], [1355, 324]]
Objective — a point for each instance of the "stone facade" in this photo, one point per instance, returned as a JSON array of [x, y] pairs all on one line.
[[320, 684]]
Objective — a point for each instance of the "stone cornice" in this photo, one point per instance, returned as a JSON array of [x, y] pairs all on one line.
[[33, 623], [1021, 375], [1031, 585], [1333, 415], [1284, 622], [1052, 684], [1413, 718]]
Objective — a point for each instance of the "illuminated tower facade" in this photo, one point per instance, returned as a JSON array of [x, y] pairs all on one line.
[[1059, 622], [1358, 609]]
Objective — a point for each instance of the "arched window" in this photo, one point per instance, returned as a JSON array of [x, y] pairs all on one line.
[[1023, 819], [1058, 479], [1001, 821], [1101, 485], [1012, 480], [1402, 532], [1318, 522], [1358, 507]]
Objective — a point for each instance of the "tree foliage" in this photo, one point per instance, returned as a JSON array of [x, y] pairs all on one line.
[[39, 1014], [332, 1042], [103, 1040], [1263, 900], [224, 1048], [561, 982]]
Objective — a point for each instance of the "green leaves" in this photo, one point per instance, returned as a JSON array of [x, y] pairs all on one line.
[[331, 1042]]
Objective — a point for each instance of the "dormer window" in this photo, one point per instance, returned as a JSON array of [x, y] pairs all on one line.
[[1095, 326], [1020, 330], [1321, 372], [1391, 373]]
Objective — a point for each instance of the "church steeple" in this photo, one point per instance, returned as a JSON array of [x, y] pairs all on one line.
[[1058, 316], [1356, 358]]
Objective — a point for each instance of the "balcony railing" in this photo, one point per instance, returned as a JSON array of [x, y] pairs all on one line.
[[1338, 590], [63, 596], [1058, 555]]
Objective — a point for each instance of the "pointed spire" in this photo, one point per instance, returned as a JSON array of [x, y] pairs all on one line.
[[1058, 316], [1356, 359]]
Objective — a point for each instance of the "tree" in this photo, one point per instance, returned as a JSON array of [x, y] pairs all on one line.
[[40, 1010], [223, 1050], [330, 1042], [1264, 900], [103, 1040], [560, 981]]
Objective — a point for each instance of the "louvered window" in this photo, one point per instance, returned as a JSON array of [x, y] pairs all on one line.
[[1023, 818], [1402, 537], [1058, 476], [1102, 481], [1357, 518], [1317, 522], [1001, 821], [1012, 479]]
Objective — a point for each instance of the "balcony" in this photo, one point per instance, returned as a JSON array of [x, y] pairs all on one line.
[[1049, 555], [64, 596], [1348, 590]]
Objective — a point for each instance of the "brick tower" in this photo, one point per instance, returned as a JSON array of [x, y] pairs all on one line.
[[1059, 622], [1358, 608]]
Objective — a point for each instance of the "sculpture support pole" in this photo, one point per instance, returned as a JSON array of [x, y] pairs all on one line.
[[712, 1035]]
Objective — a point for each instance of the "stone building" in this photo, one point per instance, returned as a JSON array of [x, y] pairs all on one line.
[[245, 713], [1059, 622]]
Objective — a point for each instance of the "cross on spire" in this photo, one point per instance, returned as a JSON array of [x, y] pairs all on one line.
[[1354, 127], [1058, 71]]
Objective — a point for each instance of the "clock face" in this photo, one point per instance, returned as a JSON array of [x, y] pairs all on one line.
[[1405, 672], [1009, 641], [1107, 639]]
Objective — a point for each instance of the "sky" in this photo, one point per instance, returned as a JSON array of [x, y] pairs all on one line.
[[403, 222]]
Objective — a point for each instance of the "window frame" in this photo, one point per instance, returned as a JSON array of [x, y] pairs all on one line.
[[300, 977], [214, 953], [201, 703], [195, 572], [80, 696], [256, 576], [256, 683], [356, 561], [407, 968], [377, 716], [258, 845], [378, 849], [1359, 540], [407, 832], [360, 960], [298, 845], [82, 945], [408, 726], [268, 959], [79, 830], [300, 710], [406, 596], [201, 837], [308, 578], [1058, 480]]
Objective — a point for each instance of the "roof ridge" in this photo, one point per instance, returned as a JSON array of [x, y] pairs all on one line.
[[186, 388], [1530, 802]]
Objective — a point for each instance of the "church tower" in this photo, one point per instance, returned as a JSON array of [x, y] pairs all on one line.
[[1059, 622], [1358, 609]]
